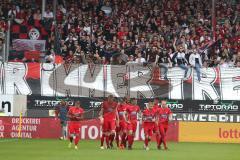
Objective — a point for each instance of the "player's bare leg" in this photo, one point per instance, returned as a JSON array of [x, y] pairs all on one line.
[[111, 138], [158, 140], [71, 140], [164, 139], [120, 134], [103, 133], [146, 142], [107, 134], [161, 136], [76, 140], [130, 139], [102, 140], [123, 140], [117, 138], [65, 132]]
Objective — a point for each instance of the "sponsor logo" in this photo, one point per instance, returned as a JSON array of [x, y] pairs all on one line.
[[175, 105], [218, 107], [50, 103], [95, 104], [230, 133]]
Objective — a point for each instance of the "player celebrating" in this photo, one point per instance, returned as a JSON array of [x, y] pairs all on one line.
[[165, 115], [122, 123], [149, 122], [108, 116], [75, 115], [132, 110]]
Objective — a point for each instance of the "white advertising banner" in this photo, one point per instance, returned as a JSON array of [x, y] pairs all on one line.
[[12, 105]]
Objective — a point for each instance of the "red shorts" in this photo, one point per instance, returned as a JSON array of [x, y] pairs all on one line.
[[122, 126], [132, 126], [155, 128], [108, 125], [163, 128], [148, 128], [74, 127]]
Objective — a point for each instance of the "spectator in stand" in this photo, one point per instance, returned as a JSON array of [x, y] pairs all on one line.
[[70, 57], [195, 61], [224, 63], [48, 18], [117, 60], [48, 14], [50, 56], [238, 64], [152, 56], [131, 60], [13, 11], [214, 62], [237, 58], [37, 15], [135, 26], [181, 61], [164, 61], [139, 59]]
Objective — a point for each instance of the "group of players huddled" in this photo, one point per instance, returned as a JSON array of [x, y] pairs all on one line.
[[119, 122]]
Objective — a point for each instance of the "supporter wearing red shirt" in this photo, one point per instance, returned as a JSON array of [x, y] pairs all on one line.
[[121, 33]]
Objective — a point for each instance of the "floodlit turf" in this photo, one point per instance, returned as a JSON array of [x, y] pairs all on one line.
[[89, 150]]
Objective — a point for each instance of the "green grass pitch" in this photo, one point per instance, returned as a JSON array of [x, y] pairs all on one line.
[[25, 149]]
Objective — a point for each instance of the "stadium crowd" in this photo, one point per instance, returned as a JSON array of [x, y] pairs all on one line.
[[165, 32], [3, 28]]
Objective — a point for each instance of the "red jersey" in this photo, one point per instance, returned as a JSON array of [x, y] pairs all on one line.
[[121, 111], [156, 108], [109, 110], [132, 111], [164, 115], [75, 113], [149, 115]]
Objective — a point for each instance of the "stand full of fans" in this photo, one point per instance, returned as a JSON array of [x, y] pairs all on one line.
[[163, 33]]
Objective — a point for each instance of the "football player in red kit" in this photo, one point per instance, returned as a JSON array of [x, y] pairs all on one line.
[[108, 113], [149, 122], [75, 115], [165, 115], [132, 111], [156, 127], [122, 123]]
